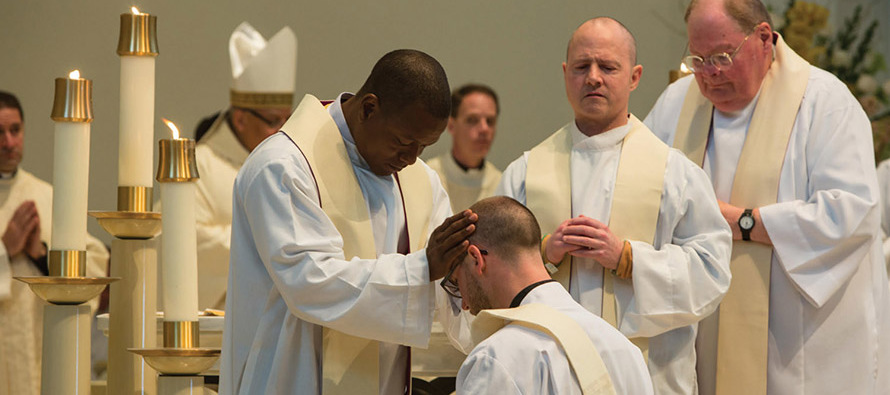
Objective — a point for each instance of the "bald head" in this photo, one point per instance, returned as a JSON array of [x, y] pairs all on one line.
[[745, 13], [603, 24], [505, 227]]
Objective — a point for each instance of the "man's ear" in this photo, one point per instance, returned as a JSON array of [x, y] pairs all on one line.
[[370, 106], [479, 264]]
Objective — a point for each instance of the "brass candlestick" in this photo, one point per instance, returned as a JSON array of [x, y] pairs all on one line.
[[138, 35]]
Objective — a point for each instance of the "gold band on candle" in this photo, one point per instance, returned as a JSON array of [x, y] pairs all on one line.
[[73, 100], [181, 334], [135, 199], [674, 75], [176, 160], [138, 35], [67, 263], [261, 100]]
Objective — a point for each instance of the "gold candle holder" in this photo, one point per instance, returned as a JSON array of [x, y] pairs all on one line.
[[176, 161], [73, 100], [138, 35], [674, 75], [67, 263], [181, 334], [134, 199]]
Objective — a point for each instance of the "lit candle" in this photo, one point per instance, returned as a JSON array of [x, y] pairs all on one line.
[[674, 75], [177, 173], [137, 47], [72, 113]]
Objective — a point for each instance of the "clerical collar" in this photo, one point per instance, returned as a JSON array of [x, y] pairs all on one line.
[[467, 169], [8, 176], [521, 295], [335, 109]]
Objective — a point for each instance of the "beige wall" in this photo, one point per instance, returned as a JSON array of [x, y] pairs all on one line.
[[515, 46]]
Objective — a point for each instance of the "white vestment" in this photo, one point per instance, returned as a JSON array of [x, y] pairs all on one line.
[[884, 188], [289, 278], [829, 312], [465, 187], [677, 281], [21, 311], [519, 360], [219, 155]]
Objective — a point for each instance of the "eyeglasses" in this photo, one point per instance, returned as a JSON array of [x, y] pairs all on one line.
[[720, 61], [272, 124], [450, 286]]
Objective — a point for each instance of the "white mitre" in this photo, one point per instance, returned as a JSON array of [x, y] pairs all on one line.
[[263, 72]]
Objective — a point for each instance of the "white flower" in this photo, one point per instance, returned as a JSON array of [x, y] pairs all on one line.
[[886, 87], [840, 58], [867, 84]]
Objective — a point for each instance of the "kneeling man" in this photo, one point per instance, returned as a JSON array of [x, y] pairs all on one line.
[[550, 344]]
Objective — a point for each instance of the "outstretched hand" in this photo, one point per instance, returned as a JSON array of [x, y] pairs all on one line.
[[448, 243]]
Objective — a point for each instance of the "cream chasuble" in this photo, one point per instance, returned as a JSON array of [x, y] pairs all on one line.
[[740, 355], [582, 354], [350, 364], [635, 202]]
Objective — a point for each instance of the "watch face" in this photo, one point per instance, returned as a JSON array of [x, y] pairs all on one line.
[[746, 223]]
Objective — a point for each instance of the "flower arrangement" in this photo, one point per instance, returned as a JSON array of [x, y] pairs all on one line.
[[847, 54]]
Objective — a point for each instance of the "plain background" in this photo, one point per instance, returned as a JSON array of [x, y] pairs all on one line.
[[516, 46]]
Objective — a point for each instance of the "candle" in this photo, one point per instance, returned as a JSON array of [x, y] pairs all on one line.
[[177, 173], [674, 75], [137, 47], [72, 113]]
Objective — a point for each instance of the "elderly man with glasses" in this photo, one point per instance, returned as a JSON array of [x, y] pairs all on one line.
[[789, 153], [539, 340]]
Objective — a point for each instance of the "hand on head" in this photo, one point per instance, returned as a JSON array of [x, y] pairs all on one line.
[[448, 243]]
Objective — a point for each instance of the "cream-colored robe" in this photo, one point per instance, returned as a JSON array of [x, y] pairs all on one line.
[[829, 313], [465, 187], [219, 156], [21, 311]]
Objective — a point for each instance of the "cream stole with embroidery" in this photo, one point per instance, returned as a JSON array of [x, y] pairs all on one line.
[[350, 365], [635, 203], [740, 352], [582, 354]]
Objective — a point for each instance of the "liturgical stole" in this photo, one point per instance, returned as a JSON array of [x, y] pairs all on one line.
[[635, 202], [350, 365], [740, 353], [583, 356]]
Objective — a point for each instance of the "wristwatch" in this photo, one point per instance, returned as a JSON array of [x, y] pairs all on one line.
[[746, 223]]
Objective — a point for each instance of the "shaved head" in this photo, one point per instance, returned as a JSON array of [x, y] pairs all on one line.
[[612, 24], [505, 227]]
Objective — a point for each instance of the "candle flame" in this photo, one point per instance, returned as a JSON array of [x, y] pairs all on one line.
[[172, 127], [135, 10], [683, 68], [74, 75]]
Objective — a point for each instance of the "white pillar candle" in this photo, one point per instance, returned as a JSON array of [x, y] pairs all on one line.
[[179, 256], [137, 101], [71, 172]]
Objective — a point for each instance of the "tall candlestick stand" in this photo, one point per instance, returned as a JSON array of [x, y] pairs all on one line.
[[133, 300], [181, 360], [66, 320]]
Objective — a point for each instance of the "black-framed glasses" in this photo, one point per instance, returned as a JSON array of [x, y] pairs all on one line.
[[720, 61], [272, 124], [449, 285]]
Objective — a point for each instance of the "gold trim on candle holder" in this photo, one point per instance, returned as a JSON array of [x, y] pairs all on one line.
[[73, 100], [176, 160], [138, 35], [261, 100], [181, 334], [135, 199], [67, 263]]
